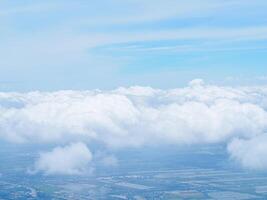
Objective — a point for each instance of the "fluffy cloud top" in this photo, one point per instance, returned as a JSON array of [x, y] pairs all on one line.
[[68, 160], [136, 116]]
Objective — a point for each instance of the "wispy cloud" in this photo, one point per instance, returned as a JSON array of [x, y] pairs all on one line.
[[29, 9], [57, 47], [37, 36]]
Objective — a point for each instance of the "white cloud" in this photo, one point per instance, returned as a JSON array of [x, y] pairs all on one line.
[[123, 117], [196, 82], [67, 160], [251, 154], [136, 116]]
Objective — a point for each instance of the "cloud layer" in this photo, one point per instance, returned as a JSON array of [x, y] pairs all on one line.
[[138, 116]]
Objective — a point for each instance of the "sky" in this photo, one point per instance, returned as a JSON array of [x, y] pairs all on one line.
[[131, 73], [63, 45]]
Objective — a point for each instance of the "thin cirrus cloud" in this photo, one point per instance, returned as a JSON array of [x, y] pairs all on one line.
[[57, 48], [40, 40], [138, 116], [132, 10], [51, 41]]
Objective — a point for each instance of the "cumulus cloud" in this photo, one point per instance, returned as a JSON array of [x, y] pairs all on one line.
[[132, 116], [136, 116], [251, 154], [67, 160]]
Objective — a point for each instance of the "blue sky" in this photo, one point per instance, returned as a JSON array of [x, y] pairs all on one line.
[[52, 45]]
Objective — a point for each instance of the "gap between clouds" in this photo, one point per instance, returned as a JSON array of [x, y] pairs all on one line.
[[138, 116]]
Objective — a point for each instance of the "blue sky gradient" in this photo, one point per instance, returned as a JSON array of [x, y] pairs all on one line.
[[52, 45]]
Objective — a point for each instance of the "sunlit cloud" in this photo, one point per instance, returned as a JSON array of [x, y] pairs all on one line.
[[136, 116]]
